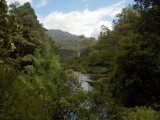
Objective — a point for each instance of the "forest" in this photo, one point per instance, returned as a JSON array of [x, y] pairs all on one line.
[[37, 73]]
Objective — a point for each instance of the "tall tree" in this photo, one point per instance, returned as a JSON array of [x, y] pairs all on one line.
[[8, 29], [135, 80]]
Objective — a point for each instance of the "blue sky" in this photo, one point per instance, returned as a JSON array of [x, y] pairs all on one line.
[[77, 16], [72, 5]]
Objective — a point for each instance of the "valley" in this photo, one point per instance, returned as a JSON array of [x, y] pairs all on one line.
[[50, 74]]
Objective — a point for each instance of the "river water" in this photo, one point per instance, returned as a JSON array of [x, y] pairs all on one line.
[[84, 81], [87, 80], [88, 83]]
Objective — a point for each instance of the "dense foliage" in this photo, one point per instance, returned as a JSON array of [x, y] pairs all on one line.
[[136, 72], [32, 82]]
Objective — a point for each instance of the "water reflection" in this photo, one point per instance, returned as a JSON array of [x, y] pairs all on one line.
[[87, 79], [84, 79], [88, 83]]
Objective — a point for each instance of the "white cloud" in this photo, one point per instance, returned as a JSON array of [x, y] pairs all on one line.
[[21, 2], [77, 22], [42, 3]]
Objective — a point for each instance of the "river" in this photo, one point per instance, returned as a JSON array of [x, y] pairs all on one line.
[[88, 80], [88, 83]]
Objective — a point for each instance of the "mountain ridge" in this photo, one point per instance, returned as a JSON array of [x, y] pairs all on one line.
[[61, 35], [69, 44]]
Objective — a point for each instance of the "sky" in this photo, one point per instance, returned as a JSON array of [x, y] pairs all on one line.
[[79, 17]]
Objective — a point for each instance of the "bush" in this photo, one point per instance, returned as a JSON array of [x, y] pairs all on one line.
[[139, 113]]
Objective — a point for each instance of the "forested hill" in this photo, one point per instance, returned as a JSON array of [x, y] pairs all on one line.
[[61, 35], [69, 44]]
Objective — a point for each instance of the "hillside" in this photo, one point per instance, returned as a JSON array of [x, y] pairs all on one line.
[[61, 35], [70, 45]]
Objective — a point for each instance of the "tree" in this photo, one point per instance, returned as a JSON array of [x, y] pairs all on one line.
[[8, 29], [145, 4], [135, 79], [148, 22]]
